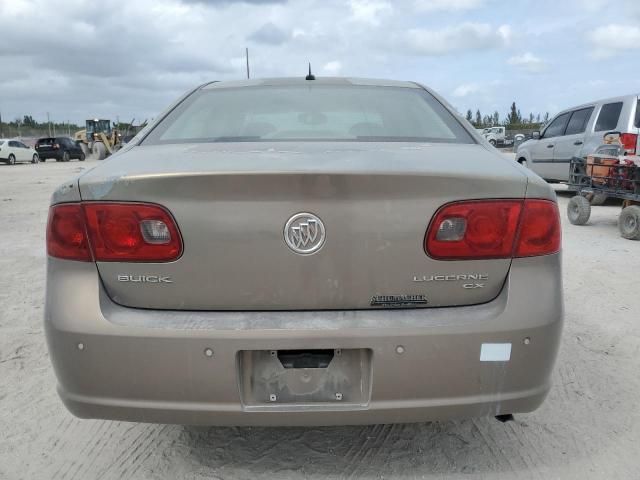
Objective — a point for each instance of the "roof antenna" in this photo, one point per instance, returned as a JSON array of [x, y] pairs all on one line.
[[311, 76]]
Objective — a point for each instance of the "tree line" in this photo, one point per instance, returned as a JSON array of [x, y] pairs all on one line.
[[27, 125], [513, 121]]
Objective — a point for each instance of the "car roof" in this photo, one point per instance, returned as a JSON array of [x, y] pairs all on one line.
[[292, 81], [620, 98]]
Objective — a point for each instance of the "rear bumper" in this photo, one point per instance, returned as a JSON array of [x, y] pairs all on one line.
[[150, 366]]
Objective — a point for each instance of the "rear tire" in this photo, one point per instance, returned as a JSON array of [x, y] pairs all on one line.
[[85, 149], [82, 157], [99, 150], [629, 222], [598, 199], [65, 157], [492, 142], [578, 210], [12, 159], [34, 159]]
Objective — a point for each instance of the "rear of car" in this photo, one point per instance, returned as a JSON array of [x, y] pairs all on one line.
[[578, 132], [290, 252], [62, 149]]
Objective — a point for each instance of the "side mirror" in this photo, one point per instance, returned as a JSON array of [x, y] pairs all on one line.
[[535, 135]]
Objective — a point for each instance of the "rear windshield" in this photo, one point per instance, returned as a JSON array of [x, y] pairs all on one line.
[[310, 113], [46, 141]]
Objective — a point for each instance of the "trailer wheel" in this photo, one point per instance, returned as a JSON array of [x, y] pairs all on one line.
[[579, 210], [598, 199], [629, 222], [99, 150]]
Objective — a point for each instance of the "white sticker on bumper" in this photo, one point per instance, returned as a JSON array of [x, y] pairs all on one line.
[[495, 352]]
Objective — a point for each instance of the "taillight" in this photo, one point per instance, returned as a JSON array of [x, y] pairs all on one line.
[[56, 146], [484, 229], [540, 231], [66, 233], [126, 232], [629, 142]]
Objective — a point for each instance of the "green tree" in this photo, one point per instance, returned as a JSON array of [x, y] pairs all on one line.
[[469, 116], [478, 119]]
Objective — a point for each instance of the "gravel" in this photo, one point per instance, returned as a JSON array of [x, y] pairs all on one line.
[[589, 427]]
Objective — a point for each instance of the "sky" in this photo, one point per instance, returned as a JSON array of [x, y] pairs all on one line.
[[127, 59]]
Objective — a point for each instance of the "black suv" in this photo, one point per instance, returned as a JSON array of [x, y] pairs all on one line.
[[62, 149]]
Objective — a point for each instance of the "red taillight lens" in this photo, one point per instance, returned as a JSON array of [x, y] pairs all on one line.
[[494, 229], [132, 232], [629, 141], [489, 231], [66, 233], [124, 232], [540, 231]]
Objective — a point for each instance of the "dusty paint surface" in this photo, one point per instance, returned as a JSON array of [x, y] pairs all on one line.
[[589, 426]]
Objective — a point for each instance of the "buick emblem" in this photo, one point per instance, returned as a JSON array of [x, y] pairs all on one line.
[[304, 233]]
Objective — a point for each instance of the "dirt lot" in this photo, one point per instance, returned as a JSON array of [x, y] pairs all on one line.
[[589, 426]]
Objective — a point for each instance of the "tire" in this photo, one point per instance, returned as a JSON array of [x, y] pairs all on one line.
[[85, 149], [523, 161], [578, 210], [629, 222], [12, 159], [99, 150], [82, 157], [65, 157], [598, 199], [492, 142], [34, 159]]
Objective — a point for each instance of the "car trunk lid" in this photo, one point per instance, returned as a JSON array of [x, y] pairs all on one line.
[[231, 203]]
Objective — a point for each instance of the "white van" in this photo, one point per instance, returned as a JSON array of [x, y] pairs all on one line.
[[577, 132]]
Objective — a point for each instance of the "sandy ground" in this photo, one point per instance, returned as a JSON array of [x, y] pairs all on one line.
[[589, 427]]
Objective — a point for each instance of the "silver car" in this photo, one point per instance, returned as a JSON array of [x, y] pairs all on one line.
[[304, 252], [578, 132]]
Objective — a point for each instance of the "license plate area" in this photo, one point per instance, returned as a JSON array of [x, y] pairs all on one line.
[[305, 379]]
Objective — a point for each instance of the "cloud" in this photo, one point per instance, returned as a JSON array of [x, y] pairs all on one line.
[[216, 3], [369, 11], [528, 62], [467, 36], [466, 89], [332, 68], [447, 5], [613, 39], [269, 34]]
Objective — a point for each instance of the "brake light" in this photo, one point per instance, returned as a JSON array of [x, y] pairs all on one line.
[[66, 233], [629, 142], [484, 229], [125, 232]]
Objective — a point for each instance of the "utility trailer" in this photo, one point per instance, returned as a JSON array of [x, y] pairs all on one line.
[[609, 172]]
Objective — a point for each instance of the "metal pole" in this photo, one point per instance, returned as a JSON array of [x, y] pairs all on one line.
[[247, 56], [49, 123]]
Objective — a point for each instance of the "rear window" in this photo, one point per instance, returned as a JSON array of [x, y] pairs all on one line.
[[609, 116], [46, 141], [310, 113]]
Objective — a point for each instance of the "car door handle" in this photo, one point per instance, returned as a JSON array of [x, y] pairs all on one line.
[[578, 142], [550, 145]]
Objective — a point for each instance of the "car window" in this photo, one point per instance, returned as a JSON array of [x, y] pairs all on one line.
[[13, 144], [578, 121], [310, 113], [557, 126], [609, 116], [1, 142]]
